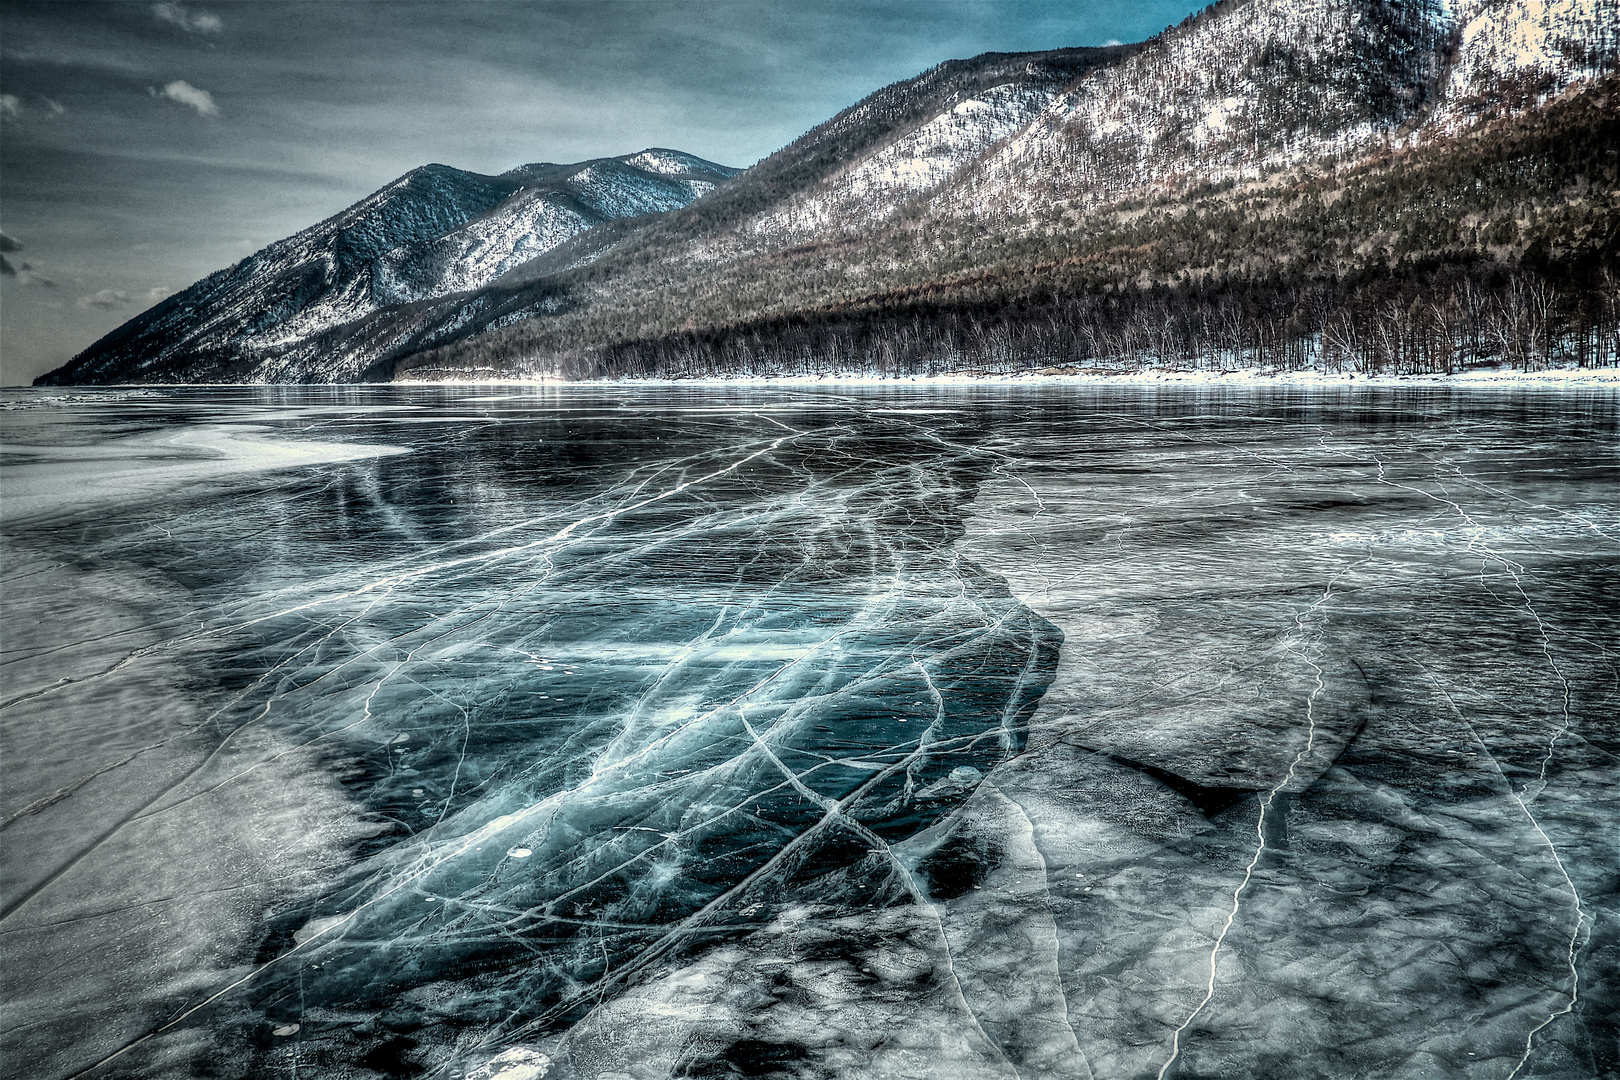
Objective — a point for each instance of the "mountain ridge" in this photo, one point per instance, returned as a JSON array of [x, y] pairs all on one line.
[[432, 232], [990, 168]]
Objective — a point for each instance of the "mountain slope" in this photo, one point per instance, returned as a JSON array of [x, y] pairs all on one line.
[[434, 232], [1247, 96], [1227, 97], [290, 314], [1459, 247], [1261, 150]]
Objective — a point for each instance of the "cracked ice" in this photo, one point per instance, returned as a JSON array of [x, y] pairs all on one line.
[[944, 732]]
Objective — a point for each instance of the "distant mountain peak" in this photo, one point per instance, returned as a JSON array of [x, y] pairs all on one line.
[[433, 232], [664, 162]]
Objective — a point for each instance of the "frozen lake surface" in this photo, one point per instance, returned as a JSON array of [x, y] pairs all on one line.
[[945, 732]]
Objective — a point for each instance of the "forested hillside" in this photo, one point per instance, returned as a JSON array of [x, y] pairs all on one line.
[[1373, 187], [1497, 243]]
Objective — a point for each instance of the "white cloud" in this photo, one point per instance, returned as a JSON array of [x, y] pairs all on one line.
[[192, 22], [10, 106], [106, 300], [186, 94], [56, 107], [71, 57], [159, 293]]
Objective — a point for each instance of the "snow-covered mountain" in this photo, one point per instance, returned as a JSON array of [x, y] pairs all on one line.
[[1246, 90], [434, 232], [941, 178], [546, 210], [1230, 95], [1237, 92]]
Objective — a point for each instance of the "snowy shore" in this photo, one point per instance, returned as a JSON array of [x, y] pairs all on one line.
[[1585, 378]]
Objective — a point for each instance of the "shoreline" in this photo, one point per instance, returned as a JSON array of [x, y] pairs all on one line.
[[1583, 378], [1550, 378]]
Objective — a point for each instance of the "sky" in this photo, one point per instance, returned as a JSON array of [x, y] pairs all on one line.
[[145, 145]]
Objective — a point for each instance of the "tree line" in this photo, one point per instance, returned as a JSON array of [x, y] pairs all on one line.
[[1446, 321]]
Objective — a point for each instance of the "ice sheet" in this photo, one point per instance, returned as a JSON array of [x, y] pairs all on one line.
[[930, 731], [43, 480]]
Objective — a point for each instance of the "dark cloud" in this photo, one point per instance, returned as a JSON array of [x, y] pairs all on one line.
[[25, 274], [9, 243], [6, 269], [321, 103]]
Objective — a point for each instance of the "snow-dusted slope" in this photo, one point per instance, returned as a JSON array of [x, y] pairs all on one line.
[[294, 287], [538, 218], [1509, 48], [671, 163], [1228, 95], [433, 232], [1234, 93], [855, 170], [1249, 88], [875, 187]]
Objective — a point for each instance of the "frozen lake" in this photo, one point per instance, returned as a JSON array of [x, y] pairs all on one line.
[[947, 732]]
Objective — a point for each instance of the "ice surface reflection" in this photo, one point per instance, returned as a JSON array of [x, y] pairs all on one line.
[[937, 732]]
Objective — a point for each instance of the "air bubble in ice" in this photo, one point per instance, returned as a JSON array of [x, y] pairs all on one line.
[[519, 852], [966, 774], [286, 1029]]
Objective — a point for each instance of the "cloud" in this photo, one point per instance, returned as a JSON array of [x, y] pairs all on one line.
[[25, 274], [106, 300], [22, 274], [70, 56], [57, 109], [192, 22], [162, 292], [186, 94], [10, 106]]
